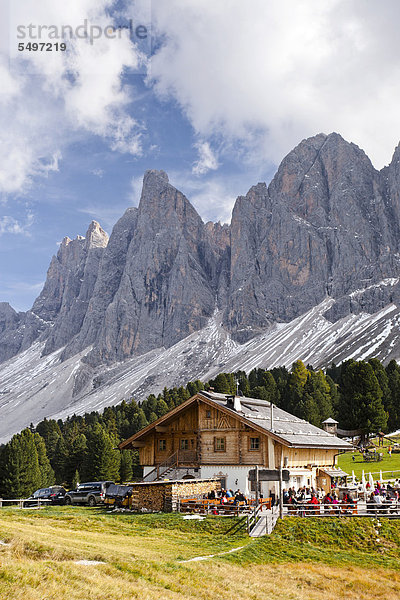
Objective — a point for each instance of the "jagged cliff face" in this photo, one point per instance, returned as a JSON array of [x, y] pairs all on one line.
[[158, 278], [328, 225]]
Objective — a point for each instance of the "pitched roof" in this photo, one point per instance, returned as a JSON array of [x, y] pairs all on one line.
[[291, 430], [286, 428]]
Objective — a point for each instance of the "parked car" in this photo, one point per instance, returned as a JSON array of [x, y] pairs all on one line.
[[118, 495], [90, 493], [54, 493]]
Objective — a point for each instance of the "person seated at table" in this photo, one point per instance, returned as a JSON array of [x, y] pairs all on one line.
[[229, 494], [328, 499], [286, 496], [376, 497], [348, 502], [211, 495], [240, 498], [335, 503], [301, 494], [314, 503]]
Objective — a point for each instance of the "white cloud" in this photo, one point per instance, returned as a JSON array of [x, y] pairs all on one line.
[[213, 197], [207, 160], [10, 225], [50, 99], [271, 72]]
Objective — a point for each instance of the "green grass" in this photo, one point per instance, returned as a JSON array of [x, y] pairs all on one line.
[[334, 541], [317, 559], [390, 464]]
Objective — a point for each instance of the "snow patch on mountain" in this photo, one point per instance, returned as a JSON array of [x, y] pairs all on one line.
[[35, 386]]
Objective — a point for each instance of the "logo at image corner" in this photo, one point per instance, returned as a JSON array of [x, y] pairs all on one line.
[[87, 31]]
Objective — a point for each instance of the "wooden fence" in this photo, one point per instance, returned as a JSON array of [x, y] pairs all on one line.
[[357, 508], [20, 502]]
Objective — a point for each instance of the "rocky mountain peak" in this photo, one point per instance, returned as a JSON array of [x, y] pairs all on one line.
[[95, 236], [154, 184], [8, 316]]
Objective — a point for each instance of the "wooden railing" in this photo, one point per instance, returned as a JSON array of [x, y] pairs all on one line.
[[33, 502], [365, 509], [252, 519], [171, 461]]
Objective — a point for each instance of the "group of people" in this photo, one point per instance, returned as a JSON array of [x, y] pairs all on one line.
[[382, 495], [310, 496], [227, 496]]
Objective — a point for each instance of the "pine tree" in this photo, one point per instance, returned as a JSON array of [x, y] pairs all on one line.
[[294, 391], [152, 417], [75, 480], [60, 461], [194, 386], [161, 408], [149, 405], [221, 384], [98, 463], [76, 454], [244, 385], [393, 407], [126, 470], [139, 421], [20, 472], [383, 380], [307, 409], [50, 432], [46, 470], [299, 373], [361, 404], [318, 389]]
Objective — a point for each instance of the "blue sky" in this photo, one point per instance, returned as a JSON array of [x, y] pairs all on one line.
[[222, 94]]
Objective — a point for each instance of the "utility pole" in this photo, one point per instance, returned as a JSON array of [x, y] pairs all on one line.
[[257, 487], [280, 486]]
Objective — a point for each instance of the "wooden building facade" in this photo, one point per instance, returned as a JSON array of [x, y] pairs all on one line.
[[215, 435]]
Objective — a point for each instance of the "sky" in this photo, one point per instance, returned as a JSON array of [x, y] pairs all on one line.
[[214, 93]]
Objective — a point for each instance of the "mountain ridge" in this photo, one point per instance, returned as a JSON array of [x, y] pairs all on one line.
[[327, 227]]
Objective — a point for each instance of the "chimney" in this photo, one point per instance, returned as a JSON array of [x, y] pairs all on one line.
[[233, 402]]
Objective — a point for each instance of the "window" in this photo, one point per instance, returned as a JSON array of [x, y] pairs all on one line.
[[208, 414], [220, 444], [184, 445], [162, 445], [254, 443]]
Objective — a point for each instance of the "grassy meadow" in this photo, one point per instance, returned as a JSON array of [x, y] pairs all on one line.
[[390, 464], [140, 556]]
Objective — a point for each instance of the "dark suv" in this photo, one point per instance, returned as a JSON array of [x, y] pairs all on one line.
[[90, 493], [54, 493]]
